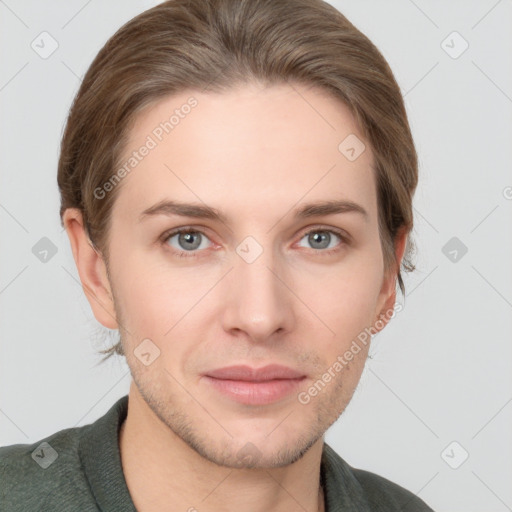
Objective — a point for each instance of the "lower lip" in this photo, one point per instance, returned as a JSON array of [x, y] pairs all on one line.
[[255, 393]]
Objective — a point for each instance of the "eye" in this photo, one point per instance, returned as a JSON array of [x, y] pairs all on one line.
[[189, 242], [324, 239], [186, 240]]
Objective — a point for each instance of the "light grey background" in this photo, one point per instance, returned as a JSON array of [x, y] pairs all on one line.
[[441, 371]]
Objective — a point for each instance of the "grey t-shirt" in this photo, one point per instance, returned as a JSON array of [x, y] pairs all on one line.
[[79, 469]]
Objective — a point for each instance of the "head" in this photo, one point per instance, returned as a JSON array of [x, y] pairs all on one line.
[[218, 104]]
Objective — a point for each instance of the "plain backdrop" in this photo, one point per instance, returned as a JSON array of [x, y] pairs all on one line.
[[433, 411]]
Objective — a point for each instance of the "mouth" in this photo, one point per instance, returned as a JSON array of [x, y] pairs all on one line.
[[255, 386]]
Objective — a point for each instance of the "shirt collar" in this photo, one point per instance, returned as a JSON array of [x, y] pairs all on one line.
[[101, 460], [342, 491]]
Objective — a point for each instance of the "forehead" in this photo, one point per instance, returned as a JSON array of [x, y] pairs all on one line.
[[249, 148]]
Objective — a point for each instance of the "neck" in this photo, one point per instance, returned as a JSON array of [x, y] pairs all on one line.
[[162, 472]]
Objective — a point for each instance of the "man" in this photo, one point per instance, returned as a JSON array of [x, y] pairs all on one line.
[[234, 212]]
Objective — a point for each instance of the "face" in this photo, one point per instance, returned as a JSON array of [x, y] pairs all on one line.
[[252, 281]]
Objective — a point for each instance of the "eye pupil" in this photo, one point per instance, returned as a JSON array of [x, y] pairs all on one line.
[[188, 238], [322, 237]]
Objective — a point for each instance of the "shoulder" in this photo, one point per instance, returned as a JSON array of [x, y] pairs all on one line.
[[72, 470], [35, 476], [358, 489], [383, 494]]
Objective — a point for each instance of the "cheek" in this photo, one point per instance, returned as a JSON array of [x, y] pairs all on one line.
[[345, 306], [347, 291], [345, 301], [150, 297], [159, 300]]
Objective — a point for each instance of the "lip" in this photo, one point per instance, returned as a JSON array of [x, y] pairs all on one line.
[[247, 373], [255, 386]]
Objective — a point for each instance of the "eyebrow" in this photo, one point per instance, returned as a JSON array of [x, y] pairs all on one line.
[[202, 211]]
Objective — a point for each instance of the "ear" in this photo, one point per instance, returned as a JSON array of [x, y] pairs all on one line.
[[387, 295], [91, 269]]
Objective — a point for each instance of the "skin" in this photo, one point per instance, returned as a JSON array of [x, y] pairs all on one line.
[[255, 154]]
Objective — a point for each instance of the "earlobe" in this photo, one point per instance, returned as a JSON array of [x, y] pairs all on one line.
[[91, 269]]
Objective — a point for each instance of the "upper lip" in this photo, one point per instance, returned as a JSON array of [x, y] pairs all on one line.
[[247, 373]]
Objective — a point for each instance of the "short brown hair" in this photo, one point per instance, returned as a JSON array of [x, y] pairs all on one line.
[[216, 44]]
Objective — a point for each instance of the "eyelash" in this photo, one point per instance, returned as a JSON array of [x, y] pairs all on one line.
[[193, 254]]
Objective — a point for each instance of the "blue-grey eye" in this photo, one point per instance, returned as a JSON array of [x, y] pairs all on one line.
[[188, 240], [321, 239]]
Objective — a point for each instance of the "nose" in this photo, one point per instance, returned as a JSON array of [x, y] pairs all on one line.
[[258, 301]]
